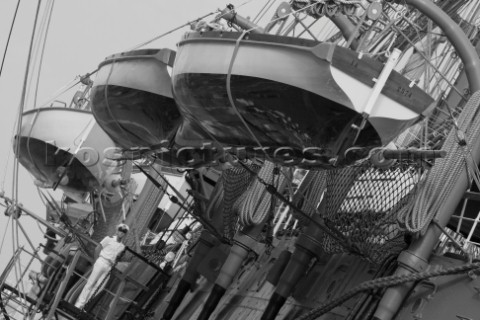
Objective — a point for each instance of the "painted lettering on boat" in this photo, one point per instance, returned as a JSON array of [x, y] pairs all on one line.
[[404, 92]]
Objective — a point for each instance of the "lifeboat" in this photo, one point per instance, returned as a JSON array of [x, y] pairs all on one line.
[[280, 93], [63, 147], [132, 98]]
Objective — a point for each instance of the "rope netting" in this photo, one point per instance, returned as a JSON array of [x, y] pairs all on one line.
[[362, 204], [369, 210]]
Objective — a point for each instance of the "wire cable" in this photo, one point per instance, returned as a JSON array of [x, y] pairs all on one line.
[[170, 31], [22, 106], [4, 234], [39, 35], [181, 26], [49, 14], [263, 11], [230, 96], [9, 35], [9, 154], [15, 233]]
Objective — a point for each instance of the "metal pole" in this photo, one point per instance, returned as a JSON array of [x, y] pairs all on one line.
[[231, 16], [63, 285], [457, 38], [416, 257], [58, 231], [112, 308], [380, 82]]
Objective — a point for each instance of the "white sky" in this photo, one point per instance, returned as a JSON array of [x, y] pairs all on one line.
[[82, 33]]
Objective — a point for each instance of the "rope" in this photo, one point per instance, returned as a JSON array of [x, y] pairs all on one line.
[[254, 204], [65, 88], [4, 234], [263, 11], [230, 67], [310, 192], [317, 8], [170, 31], [332, 233], [230, 97], [386, 282], [76, 82], [9, 35], [22, 106], [184, 25], [235, 181], [427, 59], [442, 177], [15, 233], [40, 63], [39, 34]]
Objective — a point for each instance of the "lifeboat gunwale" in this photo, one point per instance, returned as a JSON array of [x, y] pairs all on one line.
[[140, 54], [364, 69], [53, 109]]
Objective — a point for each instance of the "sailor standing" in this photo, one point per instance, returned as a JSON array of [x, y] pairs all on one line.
[[111, 248]]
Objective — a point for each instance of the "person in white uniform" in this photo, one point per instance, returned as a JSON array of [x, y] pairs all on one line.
[[111, 247]]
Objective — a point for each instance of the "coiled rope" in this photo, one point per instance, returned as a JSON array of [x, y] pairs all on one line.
[[309, 193], [317, 8], [254, 204], [235, 181], [443, 176]]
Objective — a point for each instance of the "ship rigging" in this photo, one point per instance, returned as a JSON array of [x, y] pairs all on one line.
[[317, 161]]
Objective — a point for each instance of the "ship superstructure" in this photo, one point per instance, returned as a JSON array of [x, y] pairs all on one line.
[[318, 161]]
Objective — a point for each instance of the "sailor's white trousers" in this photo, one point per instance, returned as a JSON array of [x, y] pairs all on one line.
[[101, 268]]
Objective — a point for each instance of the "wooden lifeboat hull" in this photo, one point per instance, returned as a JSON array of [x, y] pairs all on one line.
[[52, 138], [288, 92], [132, 98]]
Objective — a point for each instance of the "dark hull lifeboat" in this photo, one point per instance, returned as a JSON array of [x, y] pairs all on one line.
[[64, 148], [301, 101], [132, 99]]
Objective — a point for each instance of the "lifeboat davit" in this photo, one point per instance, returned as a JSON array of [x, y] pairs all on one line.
[[290, 94], [132, 98], [64, 148]]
